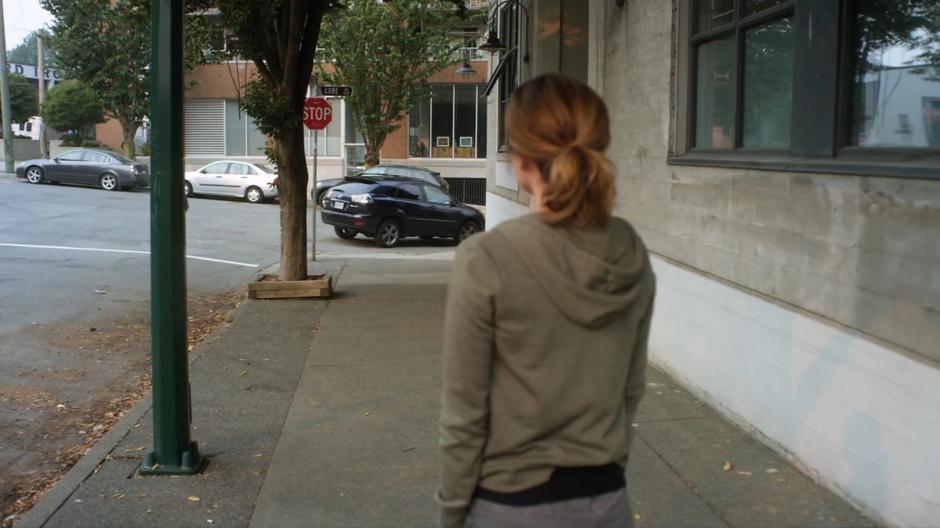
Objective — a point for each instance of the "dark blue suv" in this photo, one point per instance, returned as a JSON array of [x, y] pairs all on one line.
[[390, 210]]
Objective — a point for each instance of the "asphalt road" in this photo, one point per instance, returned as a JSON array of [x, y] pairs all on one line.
[[41, 281]]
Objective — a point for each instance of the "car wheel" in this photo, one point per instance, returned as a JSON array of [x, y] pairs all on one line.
[[254, 195], [108, 182], [345, 233], [322, 196], [467, 230], [188, 188], [34, 175], [388, 235]]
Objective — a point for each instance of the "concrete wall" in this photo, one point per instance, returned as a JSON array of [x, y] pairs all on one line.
[[853, 398], [23, 149], [859, 250]]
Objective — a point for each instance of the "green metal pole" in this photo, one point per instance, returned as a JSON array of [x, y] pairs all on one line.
[[5, 100], [173, 451]]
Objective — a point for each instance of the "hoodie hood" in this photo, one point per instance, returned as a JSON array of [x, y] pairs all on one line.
[[591, 274]]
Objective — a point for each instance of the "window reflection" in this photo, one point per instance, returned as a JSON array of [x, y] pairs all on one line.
[[768, 78], [714, 121], [897, 77]]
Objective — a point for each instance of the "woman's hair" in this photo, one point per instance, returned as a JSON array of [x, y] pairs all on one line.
[[562, 125]]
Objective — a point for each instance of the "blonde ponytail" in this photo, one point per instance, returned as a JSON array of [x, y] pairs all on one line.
[[562, 125]]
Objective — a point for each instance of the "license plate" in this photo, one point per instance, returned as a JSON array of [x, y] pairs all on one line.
[[339, 205]]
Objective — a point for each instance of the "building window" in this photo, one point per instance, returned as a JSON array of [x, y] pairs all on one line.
[[509, 27], [449, 124], [868, 77], [744, 74], [897, 74]]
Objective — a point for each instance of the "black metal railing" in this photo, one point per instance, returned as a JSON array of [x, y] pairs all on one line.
[[468, 190]]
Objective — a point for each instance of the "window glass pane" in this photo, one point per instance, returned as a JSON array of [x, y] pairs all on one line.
[[352, 133], [75, 155], [97, 157], [234, 129], [768, 79], [419, 129], [465, 123], [713, 13], [256, 140], [714, 98], [436, 196], [409, 192], [238, 168], [481, 124], [442, 121], [216, 168], [753, 6], [897, 78]]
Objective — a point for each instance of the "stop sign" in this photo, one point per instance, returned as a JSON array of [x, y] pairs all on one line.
[[317, 113]]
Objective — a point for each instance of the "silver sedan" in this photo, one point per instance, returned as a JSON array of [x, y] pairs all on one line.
[[253, 182]]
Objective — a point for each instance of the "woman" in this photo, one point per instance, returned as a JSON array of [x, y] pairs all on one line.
[[545, 343]]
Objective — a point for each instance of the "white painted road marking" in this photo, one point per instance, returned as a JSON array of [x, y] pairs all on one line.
[[126, 251]]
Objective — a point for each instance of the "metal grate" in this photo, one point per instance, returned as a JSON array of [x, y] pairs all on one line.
[[468, 190], [205, 126]]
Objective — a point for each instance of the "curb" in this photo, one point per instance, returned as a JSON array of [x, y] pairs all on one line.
[[59, 493]]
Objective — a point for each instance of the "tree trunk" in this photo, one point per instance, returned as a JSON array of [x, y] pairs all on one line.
[[127, 144], [373, 151], [292, 177]]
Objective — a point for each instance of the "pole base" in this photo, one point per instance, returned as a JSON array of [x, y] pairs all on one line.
[[191, 462]]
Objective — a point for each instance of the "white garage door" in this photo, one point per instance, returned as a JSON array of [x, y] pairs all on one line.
[[205, 127]]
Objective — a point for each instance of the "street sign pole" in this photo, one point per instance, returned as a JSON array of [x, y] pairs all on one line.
[[5, 100], [173, 451], [315, 204], [41, 73], [317, 115]]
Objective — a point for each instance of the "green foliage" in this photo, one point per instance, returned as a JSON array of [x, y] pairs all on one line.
[[911, 24], [73, 139], [106, 45], [25, 52], [72, 105], [23, 98], [387, 52]]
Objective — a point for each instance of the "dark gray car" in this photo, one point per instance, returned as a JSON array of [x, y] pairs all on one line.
[[96, 168], [381, 172]]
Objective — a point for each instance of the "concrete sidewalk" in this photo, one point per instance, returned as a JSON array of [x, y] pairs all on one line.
[[325, 414]]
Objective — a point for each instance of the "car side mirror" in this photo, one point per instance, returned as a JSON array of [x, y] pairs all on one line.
[[55, 160]]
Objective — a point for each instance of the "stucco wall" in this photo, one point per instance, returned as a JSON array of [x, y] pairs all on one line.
[[862, 251]]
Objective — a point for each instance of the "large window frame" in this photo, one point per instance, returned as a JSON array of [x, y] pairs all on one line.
[[823, 88], [478, 132]]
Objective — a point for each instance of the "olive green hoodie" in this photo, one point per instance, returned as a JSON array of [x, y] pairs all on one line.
[[544, 355]]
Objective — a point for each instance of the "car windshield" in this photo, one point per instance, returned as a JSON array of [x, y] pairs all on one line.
[[264, 168], [350, 189]]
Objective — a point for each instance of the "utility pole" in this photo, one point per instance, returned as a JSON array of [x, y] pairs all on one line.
[[43, 146], [5, 98], [174, 452]]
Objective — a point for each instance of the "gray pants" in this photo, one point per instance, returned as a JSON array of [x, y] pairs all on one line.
[[611, 510]]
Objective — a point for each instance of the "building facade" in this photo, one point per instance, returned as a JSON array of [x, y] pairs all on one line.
[[446, 132], [781, 160]]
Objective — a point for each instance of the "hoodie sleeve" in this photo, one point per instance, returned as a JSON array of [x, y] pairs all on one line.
[[636, 377], [468, 355]]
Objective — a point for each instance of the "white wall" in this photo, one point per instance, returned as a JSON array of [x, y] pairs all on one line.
[[863, 418], [499, 209]]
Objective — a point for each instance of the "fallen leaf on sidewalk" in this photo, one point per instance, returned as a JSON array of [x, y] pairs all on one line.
[[745, 473], [637, 516], [771, 471], [259, 455], [243, 373], [367, 413], [134, 450], [193, 498], [117, 496], [728, 466]]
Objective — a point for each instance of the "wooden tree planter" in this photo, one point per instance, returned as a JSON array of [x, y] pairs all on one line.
[[269, 287]]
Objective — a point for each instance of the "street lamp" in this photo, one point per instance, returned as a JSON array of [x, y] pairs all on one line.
[[466, 70], [493, 44]]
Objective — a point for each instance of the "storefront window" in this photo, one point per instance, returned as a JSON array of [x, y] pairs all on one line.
[[465, 122], [442, 121], [419, 130], [451, 124]]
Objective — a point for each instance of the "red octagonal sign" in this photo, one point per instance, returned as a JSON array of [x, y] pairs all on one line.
[[317, 113]]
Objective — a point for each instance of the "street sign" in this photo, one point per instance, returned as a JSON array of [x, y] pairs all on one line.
[[336, 91], [317, 113]]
